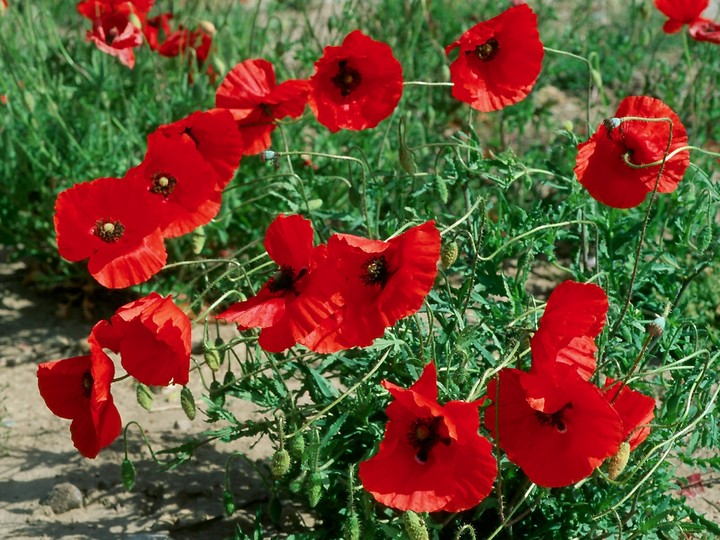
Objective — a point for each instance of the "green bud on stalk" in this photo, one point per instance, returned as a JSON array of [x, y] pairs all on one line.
[[187, 402], [414, 526], [280, 464], [144, 396]]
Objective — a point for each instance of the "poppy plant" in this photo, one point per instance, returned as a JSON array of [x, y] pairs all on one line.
[[636, 410], [115, 34], [378, 283], [215, 135], [499, 60], [619, 165], [556, 426], [181, 184], [114, 227], [432, 457], [356, 85], [680, 12], [79, 389], [705, 30], [256, 101], [152, 336], [288, 241], [574, 316], [93, 9]]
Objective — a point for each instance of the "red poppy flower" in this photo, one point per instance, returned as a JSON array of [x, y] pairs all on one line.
[[94, 9], [705, 30], [79, 389], [115, 35], [3, 6], [554, 425], [182, 185], [256, 102], [355, 85], [432, 457], [680, 12], [112, 225], [574, 316], [152, 336], [499, 60], [217, 138], [636, 411], [600, 165], [288, 241], [378, 283], [156, 27]]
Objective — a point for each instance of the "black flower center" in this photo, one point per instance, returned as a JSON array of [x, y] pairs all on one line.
[[87, 384], [284, 279], [111, 34], [162, 183], [488, 50], [108, 230], [347, 79], [424, 435], [375, 271], [555, 419]]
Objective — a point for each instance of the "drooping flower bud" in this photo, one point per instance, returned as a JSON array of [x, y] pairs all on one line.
[[619, 461], [314, 488], [449, 253], [144, 396], [414, 526], [187, 402], [280, 463]]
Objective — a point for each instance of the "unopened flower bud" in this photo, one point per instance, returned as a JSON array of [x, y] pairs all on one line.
[[449, 253], [187, 402], [619, 461], [127, 471], [228, 502], [212, 357], [655, 328], [351, 528], [144, 396], [296, 446], [208, 27], [135, 21], [280, 464], [414, 526], [314, 488], [441, 188]]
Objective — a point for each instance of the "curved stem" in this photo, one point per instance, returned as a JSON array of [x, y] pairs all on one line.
[[646, 220]]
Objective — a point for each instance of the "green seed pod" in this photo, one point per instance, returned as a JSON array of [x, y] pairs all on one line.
[[127, 472], [187, 402], [296, 446], [441, 188], [449, 253], [351, 528], [212, 358], [144, 396], [280, 464], [228, 502], [314, 489], [414, 526], [619, 461]]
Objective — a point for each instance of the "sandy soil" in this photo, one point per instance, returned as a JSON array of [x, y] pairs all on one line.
[[36, 452]]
